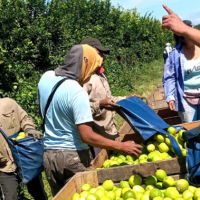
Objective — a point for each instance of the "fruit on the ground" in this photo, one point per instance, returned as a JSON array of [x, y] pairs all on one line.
[[160, 174], [108, 185], [135, 180], [182, 185]]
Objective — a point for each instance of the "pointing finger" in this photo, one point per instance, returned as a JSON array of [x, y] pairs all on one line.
[[169, 11]]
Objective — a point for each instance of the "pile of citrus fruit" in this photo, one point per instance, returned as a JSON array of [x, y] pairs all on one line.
[[157, 148], [157, 187]]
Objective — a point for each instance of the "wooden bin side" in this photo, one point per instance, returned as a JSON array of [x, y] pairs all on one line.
[[75, 184], [174, 167], [171, 166]]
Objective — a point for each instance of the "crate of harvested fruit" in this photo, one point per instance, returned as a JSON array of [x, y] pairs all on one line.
[[145, 184]]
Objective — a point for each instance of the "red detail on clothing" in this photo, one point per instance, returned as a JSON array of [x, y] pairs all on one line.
[[100, 70]]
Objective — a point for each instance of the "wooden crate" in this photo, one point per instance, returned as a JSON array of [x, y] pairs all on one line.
[[104, 154], [174, 167], [158, 103]]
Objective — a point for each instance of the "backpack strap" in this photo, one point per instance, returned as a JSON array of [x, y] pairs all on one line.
[[50, 99]]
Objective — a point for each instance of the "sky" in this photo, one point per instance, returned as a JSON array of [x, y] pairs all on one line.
[[186, 9]]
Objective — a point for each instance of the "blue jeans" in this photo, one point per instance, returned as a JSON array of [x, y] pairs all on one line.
[[192, 112]]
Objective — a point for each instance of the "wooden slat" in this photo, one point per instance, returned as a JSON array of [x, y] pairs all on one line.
[[75, 184], [159, 105], [85, 177], [189, 126], [67, 191], [125, 128], [158, 96], [171, 166], [165, 113], [101, 157]]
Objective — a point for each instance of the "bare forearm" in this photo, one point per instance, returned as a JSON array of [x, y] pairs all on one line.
[[193, 35], [93, 139], [101, 142]]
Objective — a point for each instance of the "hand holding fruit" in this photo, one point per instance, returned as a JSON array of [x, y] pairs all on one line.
[[171, 105], [108, 104], [33, 133], [131, 148]]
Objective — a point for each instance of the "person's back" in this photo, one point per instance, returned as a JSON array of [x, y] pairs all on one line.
[[61, 131]]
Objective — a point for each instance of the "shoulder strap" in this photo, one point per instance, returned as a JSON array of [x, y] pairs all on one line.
[[50, 99]]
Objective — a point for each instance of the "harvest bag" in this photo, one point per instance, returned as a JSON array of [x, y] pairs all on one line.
[[28, 156], [144, 121], [192, 138]]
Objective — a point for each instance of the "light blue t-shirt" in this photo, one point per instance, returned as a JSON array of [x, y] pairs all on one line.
[[192, 75], [69, 107]]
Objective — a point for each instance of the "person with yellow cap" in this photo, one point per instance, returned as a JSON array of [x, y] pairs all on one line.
[[68, 119]]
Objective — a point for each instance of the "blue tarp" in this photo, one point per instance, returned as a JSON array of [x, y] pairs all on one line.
[[144, 121]]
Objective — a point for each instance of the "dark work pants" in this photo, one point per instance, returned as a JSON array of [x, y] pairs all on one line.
[[9, 183]]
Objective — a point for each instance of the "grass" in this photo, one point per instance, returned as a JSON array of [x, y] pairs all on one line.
[[145, 81]]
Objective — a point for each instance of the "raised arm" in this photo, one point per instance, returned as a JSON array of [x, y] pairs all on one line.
[[175, 24]]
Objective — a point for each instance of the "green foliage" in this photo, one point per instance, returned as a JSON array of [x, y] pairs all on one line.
[[36, 36], [197, 26]]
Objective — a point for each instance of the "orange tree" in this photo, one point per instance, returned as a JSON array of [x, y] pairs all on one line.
[[35, 36]]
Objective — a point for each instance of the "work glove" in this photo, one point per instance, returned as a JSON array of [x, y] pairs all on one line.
[[33, 133], [3, 160]]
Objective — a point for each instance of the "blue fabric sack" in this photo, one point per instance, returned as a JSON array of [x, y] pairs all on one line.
[[28, 156], [144, 121], [192, 139]]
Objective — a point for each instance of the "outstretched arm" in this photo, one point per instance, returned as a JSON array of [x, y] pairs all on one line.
[[93, 139], [175, 24]]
